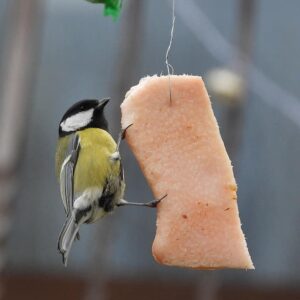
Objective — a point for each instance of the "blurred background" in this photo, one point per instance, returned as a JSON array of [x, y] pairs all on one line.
[[55, 52]]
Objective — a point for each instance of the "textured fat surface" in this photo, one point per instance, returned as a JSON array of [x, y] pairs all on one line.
[[181, 153]]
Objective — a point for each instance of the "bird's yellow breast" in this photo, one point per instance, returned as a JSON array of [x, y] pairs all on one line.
[[94, 165]]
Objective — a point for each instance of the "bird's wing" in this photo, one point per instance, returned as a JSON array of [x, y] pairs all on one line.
[[67, 175]]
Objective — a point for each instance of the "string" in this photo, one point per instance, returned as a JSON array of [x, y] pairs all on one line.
[[169, 66]]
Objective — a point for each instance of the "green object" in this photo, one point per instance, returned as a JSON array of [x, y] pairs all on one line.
[[111, 7]]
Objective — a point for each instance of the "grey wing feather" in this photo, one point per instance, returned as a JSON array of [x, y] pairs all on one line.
[[67, 175]]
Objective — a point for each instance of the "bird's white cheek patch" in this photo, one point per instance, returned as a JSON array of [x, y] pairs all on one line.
[[77, 121]]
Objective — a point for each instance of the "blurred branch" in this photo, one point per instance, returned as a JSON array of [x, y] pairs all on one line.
[[17, 76], [210, 37]]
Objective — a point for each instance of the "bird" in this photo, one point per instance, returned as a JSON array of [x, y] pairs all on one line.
[[89, 169]]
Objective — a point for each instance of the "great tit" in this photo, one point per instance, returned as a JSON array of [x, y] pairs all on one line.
[[89, 169]]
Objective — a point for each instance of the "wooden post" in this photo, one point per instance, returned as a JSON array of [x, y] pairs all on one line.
[[124, 71], [17, 75], [234, 114]]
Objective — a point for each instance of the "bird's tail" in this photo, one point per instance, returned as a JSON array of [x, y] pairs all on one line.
[[66, 238]]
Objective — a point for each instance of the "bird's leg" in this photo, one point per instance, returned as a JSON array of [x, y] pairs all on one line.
[[122, 136], [116, 155], [152, 203]]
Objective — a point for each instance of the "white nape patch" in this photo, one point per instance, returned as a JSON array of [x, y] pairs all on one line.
[[87, 198], [77, 121]]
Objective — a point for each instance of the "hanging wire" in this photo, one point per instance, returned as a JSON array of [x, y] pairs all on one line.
[[211, 38], [169, 66]]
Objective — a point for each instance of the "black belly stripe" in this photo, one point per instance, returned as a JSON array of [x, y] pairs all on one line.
[[82, 213], [106, 202]]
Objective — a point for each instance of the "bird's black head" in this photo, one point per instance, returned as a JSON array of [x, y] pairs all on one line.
[[84, 114]]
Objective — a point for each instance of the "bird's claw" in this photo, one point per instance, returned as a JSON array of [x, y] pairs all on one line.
[[123, 132], [155, 202]]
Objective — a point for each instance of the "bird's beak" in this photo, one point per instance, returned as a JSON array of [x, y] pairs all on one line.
[[102, 102]]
